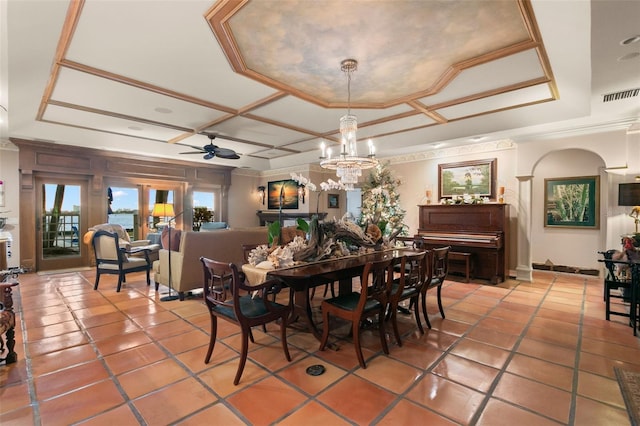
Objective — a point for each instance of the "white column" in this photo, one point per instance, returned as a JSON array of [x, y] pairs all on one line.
[[523, 269]]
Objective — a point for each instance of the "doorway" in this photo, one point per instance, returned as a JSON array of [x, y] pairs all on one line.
[[59, 224]]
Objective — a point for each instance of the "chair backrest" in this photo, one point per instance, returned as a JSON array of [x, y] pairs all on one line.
[[220, 284], [441, 262], [106, 247], [413, 269], [376, 281], [612, 261]]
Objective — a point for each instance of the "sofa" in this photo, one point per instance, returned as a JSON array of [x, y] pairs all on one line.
[[223, 245]]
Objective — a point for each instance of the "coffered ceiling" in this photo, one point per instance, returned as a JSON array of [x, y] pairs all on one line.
[[147, 77]]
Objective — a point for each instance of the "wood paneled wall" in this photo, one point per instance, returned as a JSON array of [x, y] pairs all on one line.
[[98, 168]]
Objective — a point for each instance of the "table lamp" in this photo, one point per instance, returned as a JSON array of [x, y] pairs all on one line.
[[629, 195]]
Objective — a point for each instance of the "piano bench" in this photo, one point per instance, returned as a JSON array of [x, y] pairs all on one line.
[[461, 262]]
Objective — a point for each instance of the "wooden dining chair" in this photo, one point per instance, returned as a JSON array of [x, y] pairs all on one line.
[[373, 298], [229, 298], [414, 271], [440, 269]]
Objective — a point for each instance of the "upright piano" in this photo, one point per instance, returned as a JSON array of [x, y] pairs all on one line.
[[479, 229]]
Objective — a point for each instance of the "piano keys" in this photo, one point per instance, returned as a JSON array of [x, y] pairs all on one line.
[[479, 229]]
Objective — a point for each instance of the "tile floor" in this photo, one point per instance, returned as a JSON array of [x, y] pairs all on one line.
[[536, 353]]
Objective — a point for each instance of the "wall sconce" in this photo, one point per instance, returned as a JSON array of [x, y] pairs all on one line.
[[261, 192], [301, 192]]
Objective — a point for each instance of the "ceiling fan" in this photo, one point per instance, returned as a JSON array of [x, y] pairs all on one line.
[[212, 150]]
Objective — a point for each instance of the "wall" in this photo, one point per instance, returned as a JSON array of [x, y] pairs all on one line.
[[11, 209], [419, 173], [565, 246]]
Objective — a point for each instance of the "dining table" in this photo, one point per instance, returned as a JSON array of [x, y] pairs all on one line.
[[304, 276]]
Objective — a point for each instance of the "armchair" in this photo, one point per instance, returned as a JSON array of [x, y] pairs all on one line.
[[124, 240], [112, 258]]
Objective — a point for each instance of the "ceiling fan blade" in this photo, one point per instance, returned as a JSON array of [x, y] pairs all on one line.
[[192, 152], [209, 156], [233, 156], [226, 153]]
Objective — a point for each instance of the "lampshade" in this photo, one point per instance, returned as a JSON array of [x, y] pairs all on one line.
[[163, 210], [629, 194]]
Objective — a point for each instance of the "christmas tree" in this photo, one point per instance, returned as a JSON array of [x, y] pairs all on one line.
[[380, 202]]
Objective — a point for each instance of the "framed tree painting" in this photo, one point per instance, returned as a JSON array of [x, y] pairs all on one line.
[[572, 202], [477, 177], [282, 194]]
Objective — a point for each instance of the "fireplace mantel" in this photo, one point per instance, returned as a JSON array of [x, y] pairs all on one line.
[[272, 216]]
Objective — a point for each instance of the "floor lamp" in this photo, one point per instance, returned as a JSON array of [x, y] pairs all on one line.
[[166, 210]]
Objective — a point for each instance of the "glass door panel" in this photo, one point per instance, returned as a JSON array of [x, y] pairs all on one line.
[[60, 223], [124, 209]]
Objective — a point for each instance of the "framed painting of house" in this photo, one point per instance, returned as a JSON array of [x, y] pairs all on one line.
[[572, 202], [477, 177]]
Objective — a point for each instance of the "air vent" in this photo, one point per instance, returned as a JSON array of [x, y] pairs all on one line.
[[624, 94]]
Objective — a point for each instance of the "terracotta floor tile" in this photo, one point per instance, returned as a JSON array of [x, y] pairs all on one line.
[[121, 415], [100, 320], [594, 413], [56, 343], [219, 377], [419, 356], [185, 341], [493, 337], [600, 388], [48, 319], [151, 377], [80, 404], [154, 318], [14, 397], [390, 374], [272, 357], [19, 417], [296, 374], [405, 413], [194, 358], [466, 372], [447, 398], [603, 366], [435, 338], [69, 379], [217, 414], [250, 402], [548, 352], [479, 352], [38, 333], [345, 357], [313, 414], [168, 329], [174, 402], [551, 402], [542, 371], [133, 358], [372, 400], [501, 413], [62, 359], [460, 316], [116, 344], [112, 329]]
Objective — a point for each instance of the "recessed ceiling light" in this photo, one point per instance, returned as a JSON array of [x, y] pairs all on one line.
[[163, 110], [630, 40], [628, 56], [437, 145], [136, 128]]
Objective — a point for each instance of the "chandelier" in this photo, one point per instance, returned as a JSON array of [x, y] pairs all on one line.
[[347, 164]]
